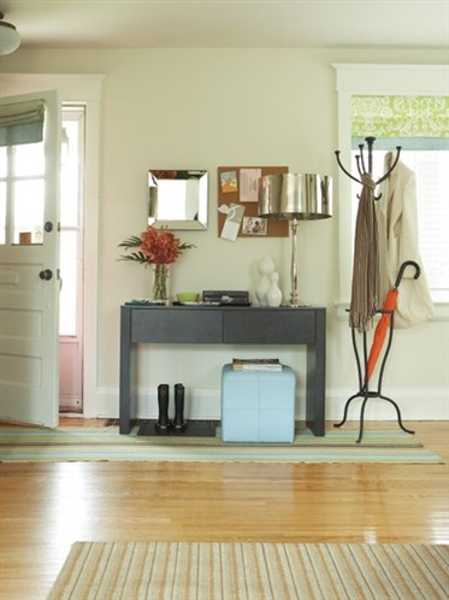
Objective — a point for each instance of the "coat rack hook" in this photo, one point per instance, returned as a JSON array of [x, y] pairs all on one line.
[[340, 164], [370, 143], [358, 161], [362, 158]]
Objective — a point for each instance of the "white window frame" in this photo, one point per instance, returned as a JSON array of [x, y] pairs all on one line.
[[86, 90], [371, 80]]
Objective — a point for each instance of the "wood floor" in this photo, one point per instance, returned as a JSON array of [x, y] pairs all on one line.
[[44, 508]]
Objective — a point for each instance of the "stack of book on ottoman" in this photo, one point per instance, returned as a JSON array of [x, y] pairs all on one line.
[[256, 364]]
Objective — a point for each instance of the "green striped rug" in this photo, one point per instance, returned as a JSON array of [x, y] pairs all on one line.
[[106, 444]]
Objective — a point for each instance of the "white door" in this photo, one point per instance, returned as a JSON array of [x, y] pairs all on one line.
[[29, 285]]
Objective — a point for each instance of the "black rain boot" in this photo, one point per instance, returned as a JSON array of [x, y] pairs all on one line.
[[163, 424], [179, 423]]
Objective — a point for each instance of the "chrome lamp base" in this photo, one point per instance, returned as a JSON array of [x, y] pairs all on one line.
[[294, 294]]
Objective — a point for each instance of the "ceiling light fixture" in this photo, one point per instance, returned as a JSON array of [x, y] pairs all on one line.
[[9, 38]]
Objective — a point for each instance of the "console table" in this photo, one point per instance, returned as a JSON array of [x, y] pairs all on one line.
[[225, 325]]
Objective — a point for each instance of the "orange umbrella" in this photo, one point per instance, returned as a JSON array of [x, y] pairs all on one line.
[[389, 306], [380, 332]]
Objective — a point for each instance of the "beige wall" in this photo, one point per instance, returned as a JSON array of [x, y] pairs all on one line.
[[201, 109]]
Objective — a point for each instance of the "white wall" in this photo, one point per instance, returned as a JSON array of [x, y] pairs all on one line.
[[184, 108]]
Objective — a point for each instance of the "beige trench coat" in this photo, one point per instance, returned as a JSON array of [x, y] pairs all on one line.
[[398, 242]]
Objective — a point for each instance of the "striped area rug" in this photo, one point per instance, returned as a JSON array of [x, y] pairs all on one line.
[[220, 571], [29, 444]]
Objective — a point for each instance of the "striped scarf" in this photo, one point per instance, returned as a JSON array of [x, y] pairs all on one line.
[[365, 275]]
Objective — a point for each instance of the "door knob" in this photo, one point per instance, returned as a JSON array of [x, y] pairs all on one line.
[[46, 274]]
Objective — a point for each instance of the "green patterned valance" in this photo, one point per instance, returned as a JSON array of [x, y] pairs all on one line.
[[400, 116]]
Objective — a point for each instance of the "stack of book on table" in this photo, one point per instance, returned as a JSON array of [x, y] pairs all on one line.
[[256, 364]]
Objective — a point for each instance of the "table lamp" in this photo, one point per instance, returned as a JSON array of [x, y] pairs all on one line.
[[295, 197]]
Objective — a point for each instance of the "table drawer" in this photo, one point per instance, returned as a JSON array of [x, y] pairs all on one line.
[[275, 326], [176, 326]]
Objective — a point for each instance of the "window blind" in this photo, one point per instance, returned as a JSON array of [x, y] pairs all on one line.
[[400, 116], [22, 123]]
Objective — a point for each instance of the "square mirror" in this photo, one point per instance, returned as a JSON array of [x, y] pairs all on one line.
[[178, 199]]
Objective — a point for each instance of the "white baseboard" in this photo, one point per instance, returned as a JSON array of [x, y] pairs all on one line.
[[417, 404]]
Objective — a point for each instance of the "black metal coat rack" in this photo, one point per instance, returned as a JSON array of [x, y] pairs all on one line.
[[366, 168]]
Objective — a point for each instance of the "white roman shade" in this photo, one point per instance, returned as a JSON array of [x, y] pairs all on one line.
[[22, 123]]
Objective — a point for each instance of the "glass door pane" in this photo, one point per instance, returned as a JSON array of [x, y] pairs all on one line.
[[28, 211], [29, 160]]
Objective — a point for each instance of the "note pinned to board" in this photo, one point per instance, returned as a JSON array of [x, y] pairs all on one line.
[[234, 217], [249, 184]]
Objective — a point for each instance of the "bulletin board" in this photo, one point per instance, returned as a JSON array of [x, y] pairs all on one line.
[[229, 192]]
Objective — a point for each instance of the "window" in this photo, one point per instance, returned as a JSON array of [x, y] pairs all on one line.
[[420, 125], [418, 88], [432, 181]]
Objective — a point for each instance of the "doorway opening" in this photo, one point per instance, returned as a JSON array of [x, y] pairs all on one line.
[[71, 259]]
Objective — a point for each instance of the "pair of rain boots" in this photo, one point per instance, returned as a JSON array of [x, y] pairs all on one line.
[[164, 424]]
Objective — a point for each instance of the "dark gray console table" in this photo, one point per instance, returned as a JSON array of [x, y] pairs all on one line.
[[225, 325]]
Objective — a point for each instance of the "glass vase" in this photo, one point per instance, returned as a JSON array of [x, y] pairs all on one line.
[[161, 276]]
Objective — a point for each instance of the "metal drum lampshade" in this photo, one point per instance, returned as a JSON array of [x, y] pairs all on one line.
[[295, 197]]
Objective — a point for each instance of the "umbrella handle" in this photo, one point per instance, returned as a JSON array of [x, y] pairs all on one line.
[[407, 263]]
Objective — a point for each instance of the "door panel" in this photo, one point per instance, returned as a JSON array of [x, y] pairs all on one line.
[[28, 304], [24, 323]]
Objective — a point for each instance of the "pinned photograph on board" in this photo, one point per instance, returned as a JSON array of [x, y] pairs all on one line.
[[254, 226], [228, 182]]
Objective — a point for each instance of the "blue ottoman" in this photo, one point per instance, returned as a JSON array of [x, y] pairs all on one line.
[[257, 406]]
